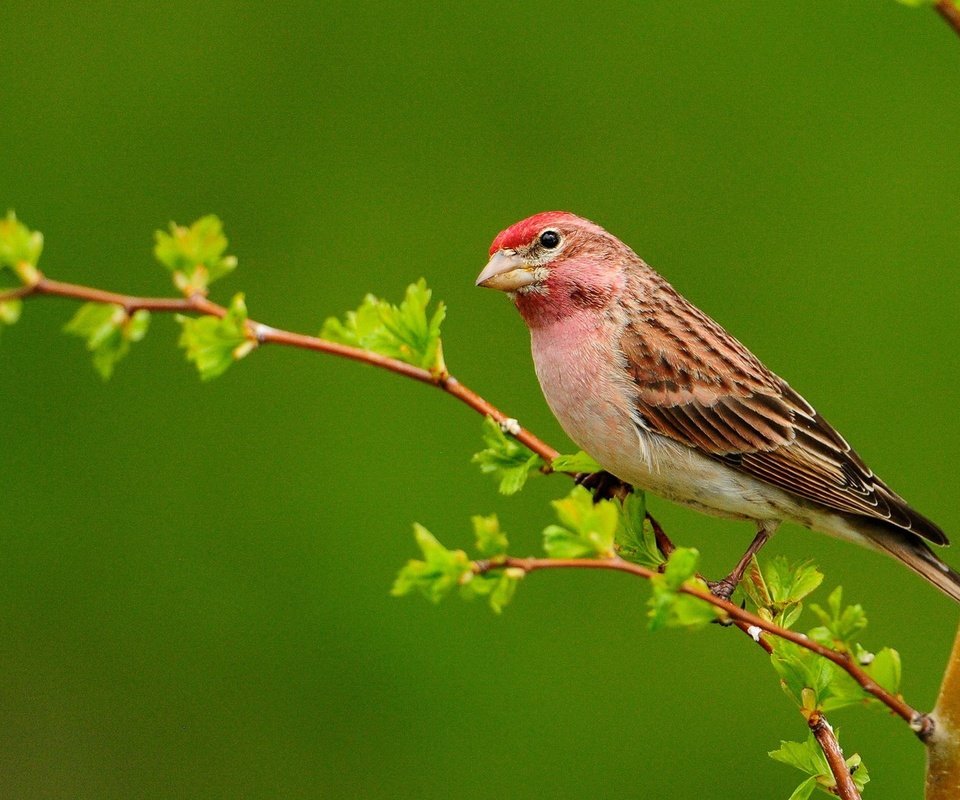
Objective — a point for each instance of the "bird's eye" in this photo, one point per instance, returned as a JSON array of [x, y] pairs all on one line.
[[549, 239]]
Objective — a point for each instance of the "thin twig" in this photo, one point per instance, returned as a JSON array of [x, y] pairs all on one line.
[[950, 12], [16, 294], [744, 619], [823, 733], [264, 334]]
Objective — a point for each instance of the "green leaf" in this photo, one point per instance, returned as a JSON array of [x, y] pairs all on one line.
[[811, 680], [804, 790], [490, 540], [10, 311], [212, 343], [575, 463], [498, 587], [809, 759], [635, 538], [20, 248], [437, 573], [586, 529], [505, 589], [840, 624], [885, 669], [916, 3], [108, 331], [779, 587], [194, 255], [510, 462], [805, 756], [407, 332], [668, 607]]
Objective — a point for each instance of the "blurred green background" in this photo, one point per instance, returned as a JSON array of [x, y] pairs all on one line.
[[194, 578]]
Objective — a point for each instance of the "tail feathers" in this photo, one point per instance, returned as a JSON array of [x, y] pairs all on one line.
[[913, 552]]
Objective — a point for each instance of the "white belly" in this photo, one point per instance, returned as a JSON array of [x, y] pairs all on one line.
[[589, 393]]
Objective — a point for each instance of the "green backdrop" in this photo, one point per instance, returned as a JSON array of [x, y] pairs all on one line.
[[194, 578]]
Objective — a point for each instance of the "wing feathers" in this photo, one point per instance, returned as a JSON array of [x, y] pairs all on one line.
[[721, 400]]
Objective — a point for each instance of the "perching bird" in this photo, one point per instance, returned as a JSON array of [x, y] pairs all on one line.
[[665, 399]]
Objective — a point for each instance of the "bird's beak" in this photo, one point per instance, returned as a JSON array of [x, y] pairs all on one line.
[[507, 272]]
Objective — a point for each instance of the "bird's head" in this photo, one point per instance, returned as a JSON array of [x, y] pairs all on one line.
[[554, 263]]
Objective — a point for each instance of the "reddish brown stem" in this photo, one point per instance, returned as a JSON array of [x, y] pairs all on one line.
[[199, 304], [748, 622], [846, 788], [950, 12]]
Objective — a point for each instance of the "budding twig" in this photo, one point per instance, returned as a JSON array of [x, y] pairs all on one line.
[[199, 304], [744, 619], [751, 624], [827, 740], [950, 12]]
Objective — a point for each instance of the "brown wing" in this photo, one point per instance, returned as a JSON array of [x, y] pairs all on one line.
[[698, 385]]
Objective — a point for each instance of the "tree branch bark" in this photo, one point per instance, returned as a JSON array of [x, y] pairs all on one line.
[[750, 623], [943, 747], [950, 12], [823, 733], [747, 622]]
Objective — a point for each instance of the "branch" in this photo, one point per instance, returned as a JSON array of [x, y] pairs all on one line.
[[950, 12], [747, 621], [752, 625], [827, 740], [264, 334], [943, 752]]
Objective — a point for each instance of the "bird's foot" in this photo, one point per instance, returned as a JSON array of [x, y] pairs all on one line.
[[603, 485], [723, 589]]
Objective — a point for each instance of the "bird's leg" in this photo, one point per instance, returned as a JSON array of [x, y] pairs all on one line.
[[603, 485], [724, 588]]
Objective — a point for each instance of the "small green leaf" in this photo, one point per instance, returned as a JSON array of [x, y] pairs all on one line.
[[20, 248], [490, 540], [681, 567], [635, 538], [505, 589], [802, 672], [804, 790], [108, 331], [840, 624], [885, 669], [670, 608], [558, 542], [194, 255], [586, 528], [779, 587], [575, 463], [407, 332], [916, 3], [805, 756], [498, 587], [510, 462], [437, 573], [10, 311], [809, 759], [212, 343]]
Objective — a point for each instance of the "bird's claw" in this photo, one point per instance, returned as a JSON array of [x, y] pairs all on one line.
[[723, 589]]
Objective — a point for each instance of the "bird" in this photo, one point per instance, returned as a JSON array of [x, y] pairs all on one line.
[[665, 399]]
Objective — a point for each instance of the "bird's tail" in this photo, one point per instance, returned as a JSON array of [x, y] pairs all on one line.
[[915, 553]]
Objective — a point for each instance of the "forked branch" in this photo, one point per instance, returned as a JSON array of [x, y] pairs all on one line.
[[753, 625]]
